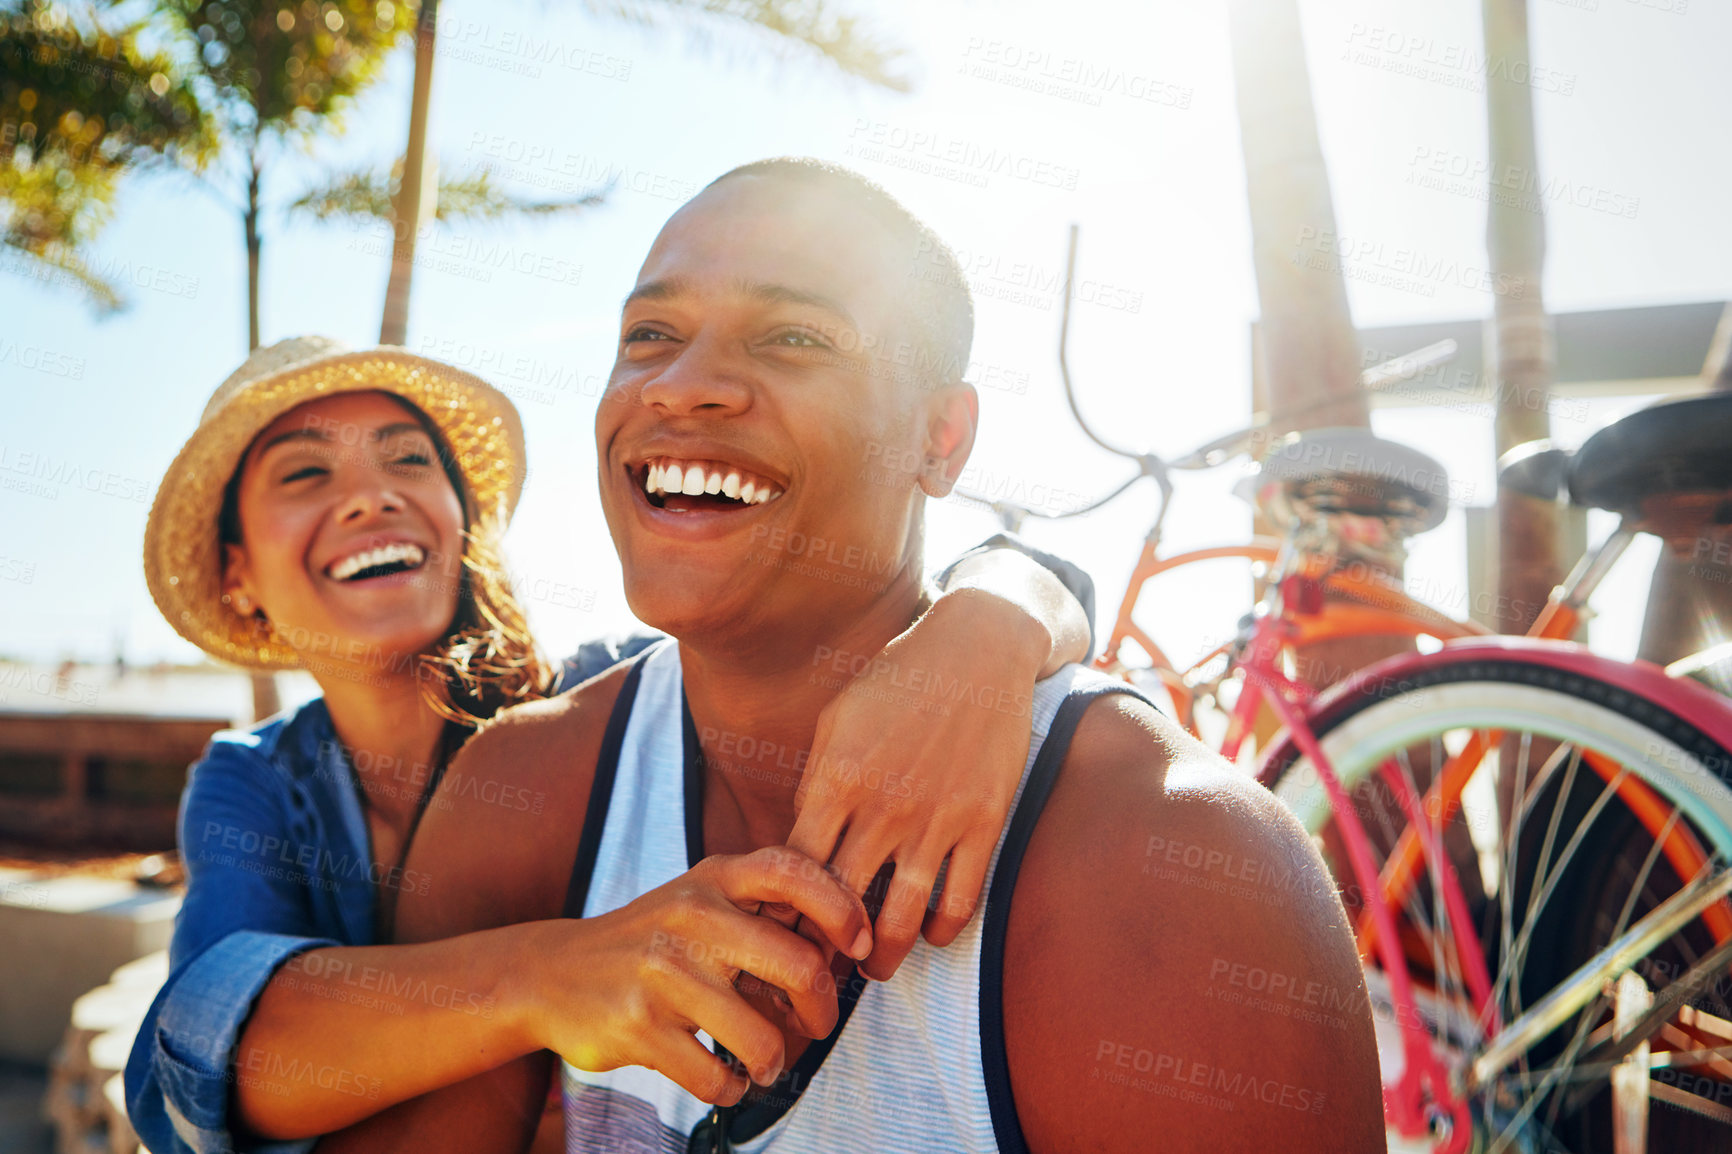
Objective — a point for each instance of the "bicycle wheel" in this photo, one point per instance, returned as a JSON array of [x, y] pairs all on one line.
[[1559, 854]]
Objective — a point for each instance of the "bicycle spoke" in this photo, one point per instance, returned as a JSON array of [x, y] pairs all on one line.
[[1554, 1075], [1506, 889], [1640, 889], [1530, 798], [1587, 982], [1579, 893], [1447, 960], [1674, 1059], [1666, 1000], [1390, 828], [1517, 956], [1440, 924], [1557, 1072], [1551, 879], [1587, 1018]]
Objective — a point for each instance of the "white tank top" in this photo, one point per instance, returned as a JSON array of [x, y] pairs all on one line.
[[917, 1063]]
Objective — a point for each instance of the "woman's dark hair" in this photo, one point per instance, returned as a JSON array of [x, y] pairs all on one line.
[[488, 659]]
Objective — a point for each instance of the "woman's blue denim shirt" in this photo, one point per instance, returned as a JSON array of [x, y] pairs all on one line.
[[278, 862]]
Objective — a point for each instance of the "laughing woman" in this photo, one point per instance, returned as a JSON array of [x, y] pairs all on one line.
[[339, 512]]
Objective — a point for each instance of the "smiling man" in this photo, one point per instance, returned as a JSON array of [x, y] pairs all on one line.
[[787, 393]]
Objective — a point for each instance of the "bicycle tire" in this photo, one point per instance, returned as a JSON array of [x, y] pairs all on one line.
[[1379, 722]]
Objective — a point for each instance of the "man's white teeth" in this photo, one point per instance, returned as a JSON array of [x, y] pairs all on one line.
[[399, 552], [699, 478]]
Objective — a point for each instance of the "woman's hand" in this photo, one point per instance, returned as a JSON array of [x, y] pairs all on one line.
[[917, 759], [630, 988]]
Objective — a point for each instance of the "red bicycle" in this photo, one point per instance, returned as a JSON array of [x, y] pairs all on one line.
[[1531, 838]]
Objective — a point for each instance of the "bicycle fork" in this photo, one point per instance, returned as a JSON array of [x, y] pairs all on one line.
[[1422, 1101]]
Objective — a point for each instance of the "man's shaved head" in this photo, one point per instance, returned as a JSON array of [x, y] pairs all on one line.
[[939, 308]]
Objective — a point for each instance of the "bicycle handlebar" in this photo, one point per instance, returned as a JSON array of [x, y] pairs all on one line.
[[1208, 456], [1064, 359]]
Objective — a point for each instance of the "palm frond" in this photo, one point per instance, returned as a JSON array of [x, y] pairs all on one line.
[[472, 195], [817, 26], [468, 195], [363, 193], [56, 261]]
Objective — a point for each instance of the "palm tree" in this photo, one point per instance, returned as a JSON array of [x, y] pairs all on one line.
[[82, 104], [813, 28], [239, 82], [1309, 352], [1528, 529], [278, 74]]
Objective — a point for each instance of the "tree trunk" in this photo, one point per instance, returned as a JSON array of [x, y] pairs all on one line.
[[1310, 349], [266, 700], [417, 190], [254, 242], [1309, 354], [1522, 343], [1307, 359]]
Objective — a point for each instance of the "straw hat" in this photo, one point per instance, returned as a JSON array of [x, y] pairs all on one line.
[[182, 557]]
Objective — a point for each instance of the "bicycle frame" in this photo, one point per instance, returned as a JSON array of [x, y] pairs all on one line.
[[1423, 1099], [1557, 622], [1366, 605]]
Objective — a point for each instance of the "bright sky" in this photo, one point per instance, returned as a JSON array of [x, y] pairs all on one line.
[[1121, 118]]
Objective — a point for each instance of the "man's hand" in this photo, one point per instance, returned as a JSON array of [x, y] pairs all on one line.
[[630, 988], [916, 762]]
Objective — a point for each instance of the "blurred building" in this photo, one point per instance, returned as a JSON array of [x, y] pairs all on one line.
[[97, 754]]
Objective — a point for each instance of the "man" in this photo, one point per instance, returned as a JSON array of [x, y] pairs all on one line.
[[796, 330]]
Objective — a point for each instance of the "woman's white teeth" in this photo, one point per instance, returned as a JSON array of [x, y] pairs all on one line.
[[699, 478], [399, 553]]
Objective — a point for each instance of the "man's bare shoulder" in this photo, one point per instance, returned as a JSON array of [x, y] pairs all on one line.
[[500, 833], [1178, 962]]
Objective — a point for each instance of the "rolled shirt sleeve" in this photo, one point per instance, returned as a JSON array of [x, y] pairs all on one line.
[[1071, 576], [189, 1054], [258, 893]]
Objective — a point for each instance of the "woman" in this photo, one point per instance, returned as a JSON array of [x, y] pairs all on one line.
[[340, 512]]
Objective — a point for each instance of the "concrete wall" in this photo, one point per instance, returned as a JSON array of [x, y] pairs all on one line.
[[60, 938]]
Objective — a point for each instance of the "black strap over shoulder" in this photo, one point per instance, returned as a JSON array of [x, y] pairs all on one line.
[[601, 791], [1042, 776]]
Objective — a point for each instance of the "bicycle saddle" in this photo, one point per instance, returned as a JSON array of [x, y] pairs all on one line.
[[1677, 446], [1350, 470]]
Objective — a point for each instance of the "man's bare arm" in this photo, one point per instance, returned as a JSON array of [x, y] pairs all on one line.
[[618, 989], [1178, 963], [885, 782]]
